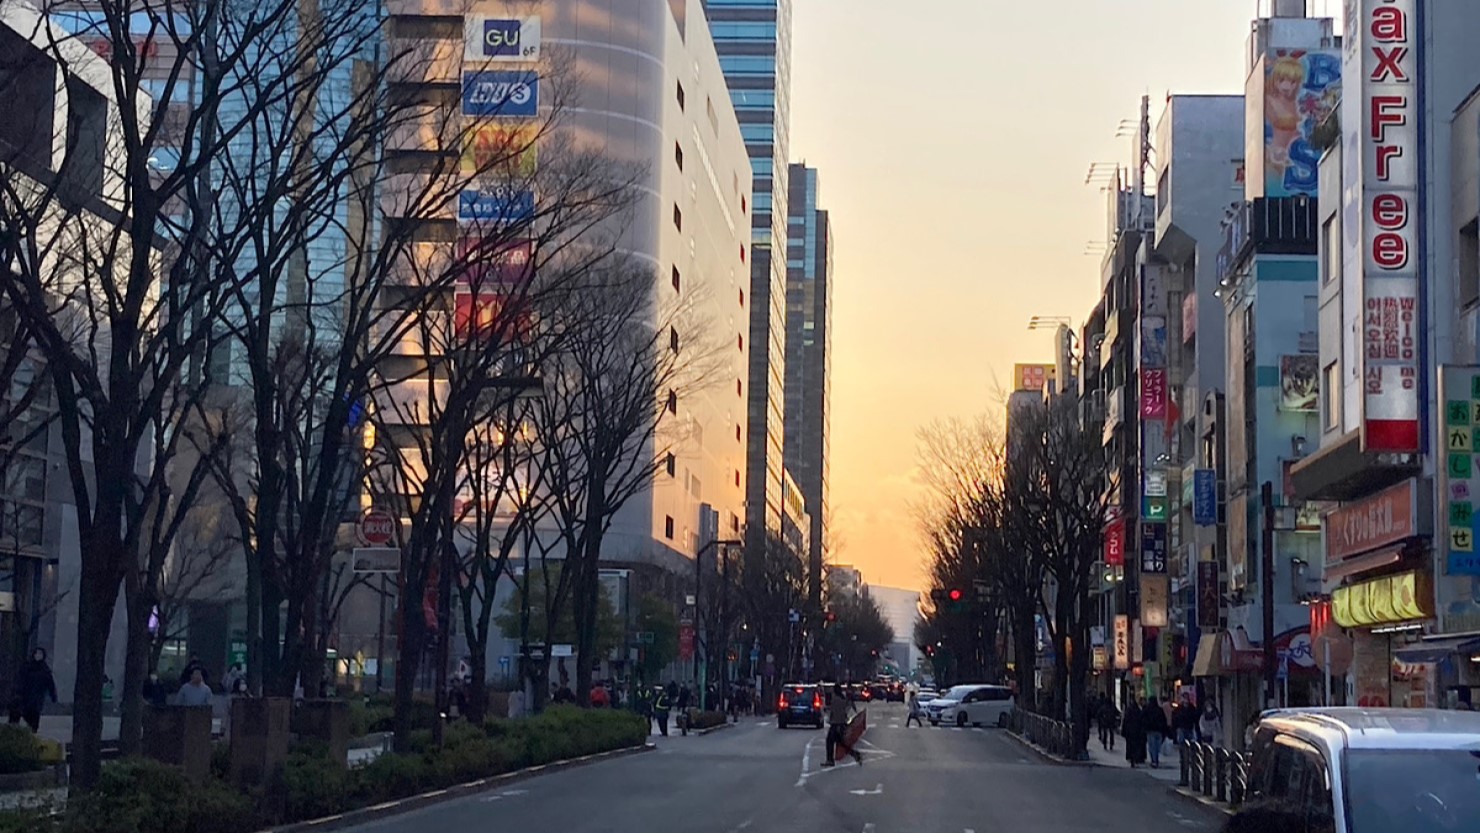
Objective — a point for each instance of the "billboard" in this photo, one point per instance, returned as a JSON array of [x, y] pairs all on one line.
[[1155, 591], [1209, 595], [501, 38], [501, 92], [1154, 393], [483, 315], [1122, 642], [494, 261], [1291, 92], [502, 149], [500, 204], [1153, 549], [1205, 497], [1032, 377], [1115, 543], [1459, 481], [1380, 116], [1300, 383]]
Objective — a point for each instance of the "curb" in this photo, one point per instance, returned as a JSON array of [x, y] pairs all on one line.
[[1200, 800], [416, 802], [721, 727], [1049, 756]]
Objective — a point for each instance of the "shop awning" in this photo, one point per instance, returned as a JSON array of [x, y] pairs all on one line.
[[1209, 652], [1434, 650], [1405, 597], [1363, 563]]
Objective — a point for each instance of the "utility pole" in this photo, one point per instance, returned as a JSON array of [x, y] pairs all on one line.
[[1266, 589]]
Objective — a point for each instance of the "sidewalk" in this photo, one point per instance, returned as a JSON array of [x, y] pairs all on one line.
[[1170, 771]]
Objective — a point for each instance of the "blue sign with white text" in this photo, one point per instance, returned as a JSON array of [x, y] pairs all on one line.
[[494, 92], [1205, 497], [500, 205], [502, 37]]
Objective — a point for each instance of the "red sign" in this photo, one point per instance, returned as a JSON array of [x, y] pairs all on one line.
[[686, 642], [1385, 518], [494, 262], [1154, 393], [484, 315], [377, 527], [1115, 543]]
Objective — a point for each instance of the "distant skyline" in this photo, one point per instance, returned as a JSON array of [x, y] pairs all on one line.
[[954, 145]]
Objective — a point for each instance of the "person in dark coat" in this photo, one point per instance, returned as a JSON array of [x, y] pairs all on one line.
[[1133, 729], [1154, 721], [1108, 718], [34, 685]]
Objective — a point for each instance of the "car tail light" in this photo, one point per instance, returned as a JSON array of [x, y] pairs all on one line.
[[817, 701], [781, 702]]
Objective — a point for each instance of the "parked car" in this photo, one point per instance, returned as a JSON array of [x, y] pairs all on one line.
[[1371, 770], [799, 704], [976, 704]]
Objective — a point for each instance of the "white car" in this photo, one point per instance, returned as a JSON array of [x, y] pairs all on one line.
[[971, 705]]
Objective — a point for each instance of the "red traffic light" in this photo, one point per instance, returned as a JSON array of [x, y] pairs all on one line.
[[955, 595]]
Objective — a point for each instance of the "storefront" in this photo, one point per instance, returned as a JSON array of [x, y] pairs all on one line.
[[1384, 614]]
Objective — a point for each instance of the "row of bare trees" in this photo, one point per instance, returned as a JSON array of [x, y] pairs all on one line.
[[240, 265], [1015, 516]]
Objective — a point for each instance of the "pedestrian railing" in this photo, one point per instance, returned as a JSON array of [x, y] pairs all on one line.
[[1053, 736], [1215, 772]]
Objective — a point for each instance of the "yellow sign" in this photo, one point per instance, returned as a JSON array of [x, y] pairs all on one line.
[[499, 150], [1032, 377]]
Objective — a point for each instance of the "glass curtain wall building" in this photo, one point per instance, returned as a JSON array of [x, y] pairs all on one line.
[[809, 360], [753, 38]]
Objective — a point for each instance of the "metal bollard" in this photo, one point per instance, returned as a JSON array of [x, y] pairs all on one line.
[[1240, 789], [1207, 768], [1184, 759], [1220, 762]]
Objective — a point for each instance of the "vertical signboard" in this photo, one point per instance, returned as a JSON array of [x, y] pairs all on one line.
[[1459, 482], [1380, 116], [1205, 497], [1153, 394], [1209, 595], [1290, 93], [1115, 543], [1154, 596], [1122, 642], [1153, 549]]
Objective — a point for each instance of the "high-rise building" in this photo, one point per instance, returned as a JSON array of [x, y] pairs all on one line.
[[809, 360], [753, 38]]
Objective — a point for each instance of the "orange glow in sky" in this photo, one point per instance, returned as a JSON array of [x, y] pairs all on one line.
[[953, 139]]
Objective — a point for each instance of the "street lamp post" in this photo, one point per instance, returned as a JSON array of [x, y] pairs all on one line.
[[702, 662]]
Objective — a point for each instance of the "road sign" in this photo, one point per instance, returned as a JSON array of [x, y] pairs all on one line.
[[503, 662], [375, 560], [377, 527], [690, 600], [562, 651]]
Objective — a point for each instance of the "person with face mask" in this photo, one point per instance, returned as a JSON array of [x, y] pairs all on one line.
[[34, 685]]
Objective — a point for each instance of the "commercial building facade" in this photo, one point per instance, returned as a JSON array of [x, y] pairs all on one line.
[[753, 38]]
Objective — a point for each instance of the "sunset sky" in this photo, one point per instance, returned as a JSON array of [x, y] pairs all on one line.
[[953, 141]]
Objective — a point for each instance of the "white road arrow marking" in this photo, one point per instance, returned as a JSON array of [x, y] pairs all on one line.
[[878, 790]]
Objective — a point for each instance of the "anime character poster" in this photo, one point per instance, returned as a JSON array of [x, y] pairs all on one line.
[[1300, 89]]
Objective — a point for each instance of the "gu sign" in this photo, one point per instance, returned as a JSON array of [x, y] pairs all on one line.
[[501, 39], [1381, 213]]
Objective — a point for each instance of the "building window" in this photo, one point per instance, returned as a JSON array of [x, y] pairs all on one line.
[[672, 402], [739, 389], [744, 206], [740, 342], [670, 464], [673, 339], [1331, 249], [668, 527], [680, 96], [677, 280], [1331, 386], [737, 485], [1469, 263], [737, 433], [742, 252], [678, 154], [742, 299], [713, 116], [678, 218]]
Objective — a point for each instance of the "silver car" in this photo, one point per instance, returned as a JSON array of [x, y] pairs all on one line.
[[1372, 770]]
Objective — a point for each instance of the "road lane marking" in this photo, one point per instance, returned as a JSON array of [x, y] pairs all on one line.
[[868, 828], [741, 826], [878, 790]]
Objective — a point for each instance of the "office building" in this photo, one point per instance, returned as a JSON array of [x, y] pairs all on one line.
[[753, 38], [809, 267]]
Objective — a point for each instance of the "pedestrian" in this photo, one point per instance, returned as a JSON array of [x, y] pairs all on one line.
[[839, 709], [230, 678], [1210, 723], [195, 692], [1109, 718], [1154, 720], [1133, 729], [917, 709], [662, 702], [457, 699], [645, 706], [1184, 722], [599, 697], [156, 693], [34, 685], [191, 667]]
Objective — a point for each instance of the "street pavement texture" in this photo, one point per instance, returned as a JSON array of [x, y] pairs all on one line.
[[755, 778]]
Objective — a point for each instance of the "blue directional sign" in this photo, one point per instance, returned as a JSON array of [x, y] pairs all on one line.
[[501, 92], [497, 205]]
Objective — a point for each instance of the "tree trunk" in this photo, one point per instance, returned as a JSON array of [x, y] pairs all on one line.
[[1024, 640], [97, 596], [272, 671], [1078, 695], [478, 687], [408, 664], [139, 605]]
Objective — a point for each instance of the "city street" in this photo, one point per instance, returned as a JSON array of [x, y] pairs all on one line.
[[757, 778]]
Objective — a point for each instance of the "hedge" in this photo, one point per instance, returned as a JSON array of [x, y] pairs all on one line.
[[20, 750], [137, 796]]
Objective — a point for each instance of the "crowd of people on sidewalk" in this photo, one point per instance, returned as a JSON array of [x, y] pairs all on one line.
[[1148, 724]]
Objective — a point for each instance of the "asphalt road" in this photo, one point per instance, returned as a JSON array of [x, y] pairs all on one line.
[[759, 779]]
